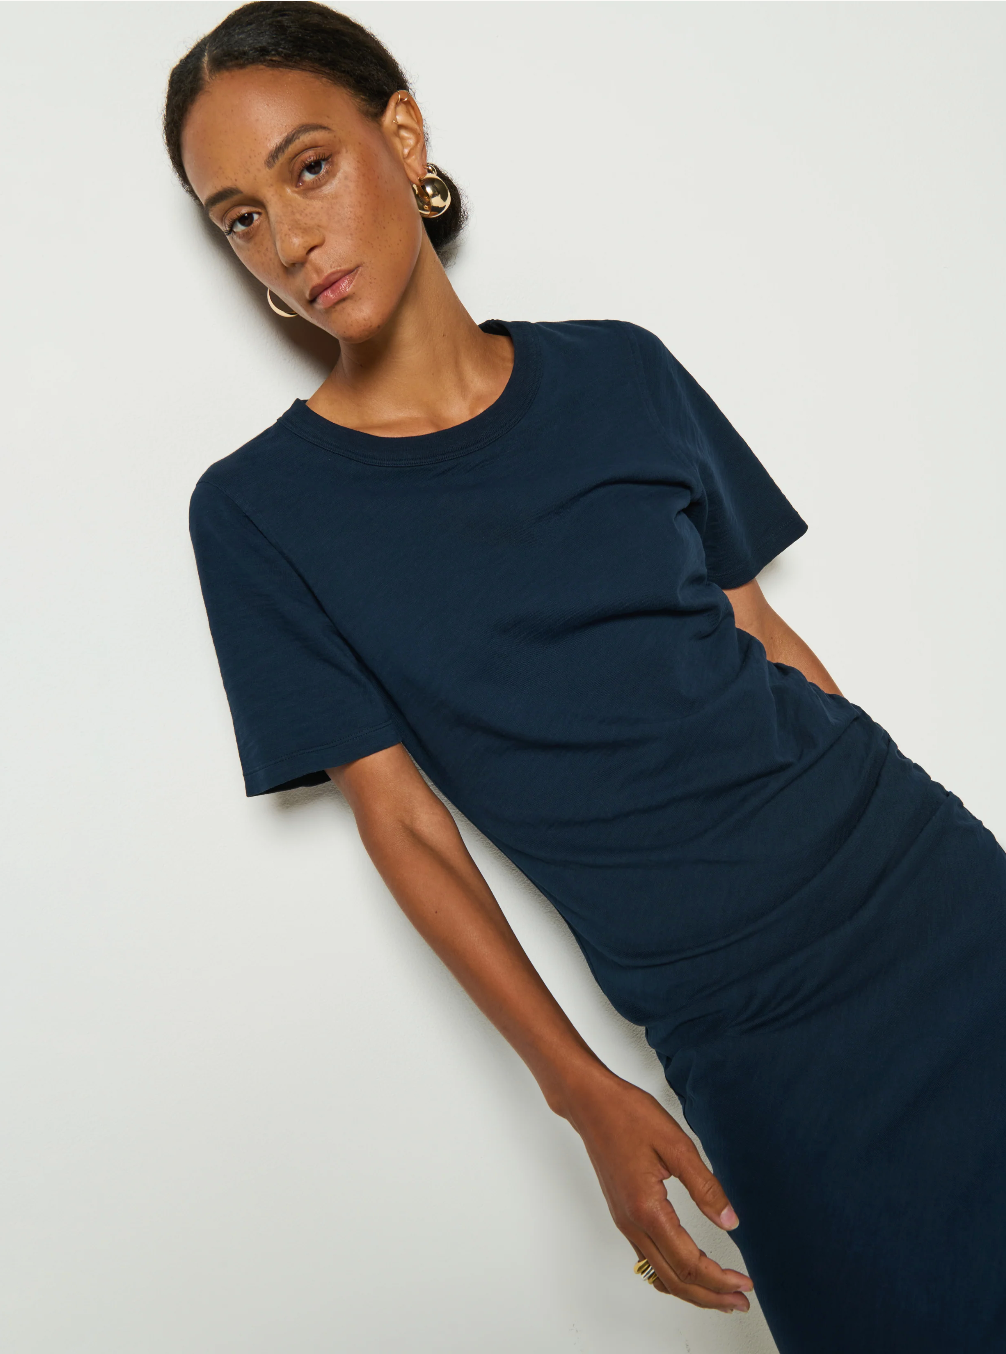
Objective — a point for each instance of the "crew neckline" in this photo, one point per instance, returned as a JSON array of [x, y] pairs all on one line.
[[423, 448]]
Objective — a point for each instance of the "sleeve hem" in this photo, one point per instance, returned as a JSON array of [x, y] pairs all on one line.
[[742, 571], [308, 766]]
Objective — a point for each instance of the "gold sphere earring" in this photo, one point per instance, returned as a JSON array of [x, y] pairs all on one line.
[[433, 197], [286, 314]]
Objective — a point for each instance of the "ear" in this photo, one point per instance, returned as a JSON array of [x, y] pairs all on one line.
[[402, 123]]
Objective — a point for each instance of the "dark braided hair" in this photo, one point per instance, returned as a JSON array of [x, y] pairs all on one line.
[[304, 36]]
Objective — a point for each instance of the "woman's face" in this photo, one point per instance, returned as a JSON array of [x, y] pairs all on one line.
[[307, 188]]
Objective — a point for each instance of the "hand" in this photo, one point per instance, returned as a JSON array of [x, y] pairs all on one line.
[[634, 1146]]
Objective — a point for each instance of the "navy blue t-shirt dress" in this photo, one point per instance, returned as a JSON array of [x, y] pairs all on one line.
[[808, 927]]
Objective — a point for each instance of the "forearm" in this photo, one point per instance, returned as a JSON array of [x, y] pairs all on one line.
[[632, 1142], [438, 886], [753, 614], [783, 645]]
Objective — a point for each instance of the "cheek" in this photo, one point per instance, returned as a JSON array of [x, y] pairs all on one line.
[[387, 224], [259, 258]]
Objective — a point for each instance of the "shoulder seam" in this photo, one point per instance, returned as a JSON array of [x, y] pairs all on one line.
[[208, 473], [207, 481], [629, 330], [210, 483]]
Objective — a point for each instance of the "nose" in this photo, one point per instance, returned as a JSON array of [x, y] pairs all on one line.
[[294, 236]]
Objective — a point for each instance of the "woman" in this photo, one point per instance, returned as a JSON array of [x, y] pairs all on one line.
[[523, 557]]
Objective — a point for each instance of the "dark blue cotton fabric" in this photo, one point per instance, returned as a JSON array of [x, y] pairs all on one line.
[[532, 602]]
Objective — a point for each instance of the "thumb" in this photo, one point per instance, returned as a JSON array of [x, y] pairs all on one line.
[[703, 1186]]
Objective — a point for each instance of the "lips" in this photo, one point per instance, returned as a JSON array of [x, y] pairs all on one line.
[[332, 287]]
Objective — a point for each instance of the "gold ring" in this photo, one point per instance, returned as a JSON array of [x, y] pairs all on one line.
[[645, 1270]]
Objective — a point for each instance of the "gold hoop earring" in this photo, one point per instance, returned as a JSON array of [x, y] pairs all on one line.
[[286, 314], [433, 197]]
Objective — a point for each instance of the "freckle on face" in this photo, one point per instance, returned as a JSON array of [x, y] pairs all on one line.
[[363, 213]]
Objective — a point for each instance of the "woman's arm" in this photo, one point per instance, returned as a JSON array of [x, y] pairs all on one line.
[[783, 645], [633, 1144]]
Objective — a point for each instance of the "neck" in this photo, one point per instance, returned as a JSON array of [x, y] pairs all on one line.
[[429, 367]]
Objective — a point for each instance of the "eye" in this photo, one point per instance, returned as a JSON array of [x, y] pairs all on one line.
[[313, 168], [240, 223]]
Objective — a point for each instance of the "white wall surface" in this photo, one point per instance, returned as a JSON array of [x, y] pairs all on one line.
[[246, 1111]]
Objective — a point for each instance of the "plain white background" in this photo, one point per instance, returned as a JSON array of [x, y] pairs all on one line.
[[246, 1111]]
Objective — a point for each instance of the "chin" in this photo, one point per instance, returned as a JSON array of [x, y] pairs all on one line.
[[354, 321]]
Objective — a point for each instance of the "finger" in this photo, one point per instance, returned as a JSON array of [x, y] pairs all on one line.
[[695, 1294], [701, 1184], [685, 1261], [654, 1221], [701, 1297]]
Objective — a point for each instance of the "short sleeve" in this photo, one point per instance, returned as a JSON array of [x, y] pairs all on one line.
[[300, 699], [743, 516]]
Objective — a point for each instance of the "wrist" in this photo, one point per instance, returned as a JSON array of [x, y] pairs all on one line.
[[579, 1085]]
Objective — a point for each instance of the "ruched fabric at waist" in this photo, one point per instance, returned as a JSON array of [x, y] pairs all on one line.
[[677, 945]]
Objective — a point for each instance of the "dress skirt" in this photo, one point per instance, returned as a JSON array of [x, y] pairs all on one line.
[[853, 1099]]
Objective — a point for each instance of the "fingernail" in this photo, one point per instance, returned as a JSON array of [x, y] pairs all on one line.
[[729, 1219]]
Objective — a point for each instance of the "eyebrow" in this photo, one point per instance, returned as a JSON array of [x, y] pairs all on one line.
[[288, 140], [280, 148], [221, 195]]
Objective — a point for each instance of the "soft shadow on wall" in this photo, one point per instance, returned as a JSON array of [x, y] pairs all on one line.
[[314, 345]]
